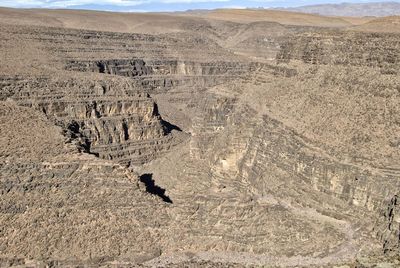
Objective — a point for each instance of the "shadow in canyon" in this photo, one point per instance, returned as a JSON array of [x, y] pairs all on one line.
[[152, 188], [169, 127]]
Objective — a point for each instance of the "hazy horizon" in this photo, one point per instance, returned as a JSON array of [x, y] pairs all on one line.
[[163, 5]]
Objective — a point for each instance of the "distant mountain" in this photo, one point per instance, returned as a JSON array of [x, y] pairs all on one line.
[[378, 9]]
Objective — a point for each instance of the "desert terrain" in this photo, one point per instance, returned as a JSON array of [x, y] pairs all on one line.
[[229, 138]]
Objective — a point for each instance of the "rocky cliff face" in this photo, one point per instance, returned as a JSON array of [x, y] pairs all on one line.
[[389, 226], [344, 48], [125, 128], [291, 153], [134, 68], [156, 76]]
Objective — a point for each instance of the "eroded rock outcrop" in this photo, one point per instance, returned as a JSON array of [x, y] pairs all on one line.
[[126, 128], [388, 227], [64, 201], [156, 76]]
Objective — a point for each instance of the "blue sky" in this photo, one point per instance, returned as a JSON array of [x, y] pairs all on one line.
[[162, 5]]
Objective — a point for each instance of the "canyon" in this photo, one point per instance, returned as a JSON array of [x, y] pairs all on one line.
[[224, 139]]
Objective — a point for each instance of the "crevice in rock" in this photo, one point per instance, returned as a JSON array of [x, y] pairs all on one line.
[[101, 66], [126, 130], [73, 131], [152, 188]]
